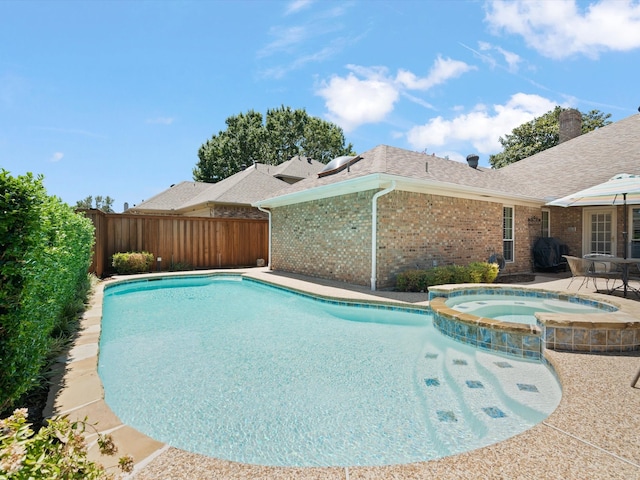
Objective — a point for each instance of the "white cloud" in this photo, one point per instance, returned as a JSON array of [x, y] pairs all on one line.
[[161, 120], [558, 29], [482, 127], [285, 39], [352, 101], [442, 70], [369, 94], [56, 157], [297, 5]]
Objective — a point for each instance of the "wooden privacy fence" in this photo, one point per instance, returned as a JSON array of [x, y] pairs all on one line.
[[194, 242]]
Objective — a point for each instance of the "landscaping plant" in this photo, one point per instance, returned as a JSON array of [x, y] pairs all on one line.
[[421, 280], [57, 451], [132, 262], [45, 252]]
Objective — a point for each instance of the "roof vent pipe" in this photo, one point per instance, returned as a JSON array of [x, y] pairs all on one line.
[[472, 160]]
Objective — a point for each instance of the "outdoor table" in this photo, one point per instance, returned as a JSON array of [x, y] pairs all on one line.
[[624, 264]]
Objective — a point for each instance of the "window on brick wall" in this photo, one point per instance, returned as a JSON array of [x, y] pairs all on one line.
[[545, 228], [635, 232], [507, 233]]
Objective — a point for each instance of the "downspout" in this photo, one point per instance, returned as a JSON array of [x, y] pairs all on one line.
[[268, 212], [374, 231]]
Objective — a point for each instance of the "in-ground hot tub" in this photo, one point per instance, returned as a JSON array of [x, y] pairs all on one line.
[[563, 321], [521, 306]]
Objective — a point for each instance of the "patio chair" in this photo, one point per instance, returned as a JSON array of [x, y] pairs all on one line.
[[580, 268], [604, 269], [590, 270]]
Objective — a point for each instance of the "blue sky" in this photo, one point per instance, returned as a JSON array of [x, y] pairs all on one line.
[[115, 97]]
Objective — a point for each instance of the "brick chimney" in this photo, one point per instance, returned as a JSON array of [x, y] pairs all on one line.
[[570, 124]]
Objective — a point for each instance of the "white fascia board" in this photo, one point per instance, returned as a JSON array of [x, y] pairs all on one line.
[[383, 180], [354, 185], [446, 189]]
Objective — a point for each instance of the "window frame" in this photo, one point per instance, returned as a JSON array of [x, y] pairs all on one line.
[[545, 223], [634, 231], [508, 242]]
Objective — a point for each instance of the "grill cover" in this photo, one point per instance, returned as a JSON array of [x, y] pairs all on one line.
[[547, 253]]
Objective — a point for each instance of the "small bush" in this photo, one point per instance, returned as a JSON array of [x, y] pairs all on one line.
[[412, 281], [181, 267], [421, 280], [486, 272], [57, 450], [132, 262]]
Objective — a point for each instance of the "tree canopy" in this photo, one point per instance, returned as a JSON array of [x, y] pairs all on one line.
[[285, 134], [539, 134], [101, 203]]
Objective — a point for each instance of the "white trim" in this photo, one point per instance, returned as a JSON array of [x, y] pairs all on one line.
[[586, 227], [513, 233], [268, 213], [380, 180], [548, 212], [630, 233]]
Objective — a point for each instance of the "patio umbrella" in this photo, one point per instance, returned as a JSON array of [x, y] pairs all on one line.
[[621, 189]]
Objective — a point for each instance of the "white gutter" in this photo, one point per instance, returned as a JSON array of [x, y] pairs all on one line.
[[374, 231], [269, 213], [416, 185]]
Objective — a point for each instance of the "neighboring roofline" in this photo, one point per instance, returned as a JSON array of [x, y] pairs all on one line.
[[382, 180]]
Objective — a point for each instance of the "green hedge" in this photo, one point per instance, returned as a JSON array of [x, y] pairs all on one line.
[[421, 280], [45, 252], [132, 262]]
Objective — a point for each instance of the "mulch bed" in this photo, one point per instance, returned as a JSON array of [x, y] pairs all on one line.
[[515, 278]]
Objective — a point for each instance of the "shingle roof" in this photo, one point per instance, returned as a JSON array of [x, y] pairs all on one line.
[[245, 187], [579, 163], [576, 164], [297, 168], [175, 195], [252, 184], [404, 163]]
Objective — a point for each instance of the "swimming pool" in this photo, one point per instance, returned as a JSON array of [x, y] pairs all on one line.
[[241, 371]]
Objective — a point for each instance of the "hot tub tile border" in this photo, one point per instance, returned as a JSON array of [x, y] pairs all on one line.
[[580, 335]]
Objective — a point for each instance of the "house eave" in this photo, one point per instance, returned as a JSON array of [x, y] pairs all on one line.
[[416, 185]]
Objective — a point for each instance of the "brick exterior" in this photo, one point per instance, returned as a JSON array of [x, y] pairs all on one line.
[[566, 225], [227, 211], [331, 238], [232, 211]]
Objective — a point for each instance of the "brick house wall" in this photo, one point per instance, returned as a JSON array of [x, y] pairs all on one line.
[[566, 225], [331, 238], [227, 211], [327, 238]]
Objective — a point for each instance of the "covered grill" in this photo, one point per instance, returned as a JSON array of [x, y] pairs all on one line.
[[547, 254]]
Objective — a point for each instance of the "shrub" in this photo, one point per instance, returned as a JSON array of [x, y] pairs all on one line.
[[57, 450], [132, 262], [45, 252], [412, 281], [181, 267], [486, 272], [421, 280]]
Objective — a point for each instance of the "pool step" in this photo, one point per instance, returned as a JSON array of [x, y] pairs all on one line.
[[464, 398]]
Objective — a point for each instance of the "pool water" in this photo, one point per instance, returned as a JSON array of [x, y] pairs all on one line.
[[245, 372], [516, 308]]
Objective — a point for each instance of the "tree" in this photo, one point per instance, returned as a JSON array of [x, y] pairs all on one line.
[[105, 204], [539, 134], [285, 134]]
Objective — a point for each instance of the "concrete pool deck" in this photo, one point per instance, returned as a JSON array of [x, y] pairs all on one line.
[[594, 433]]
